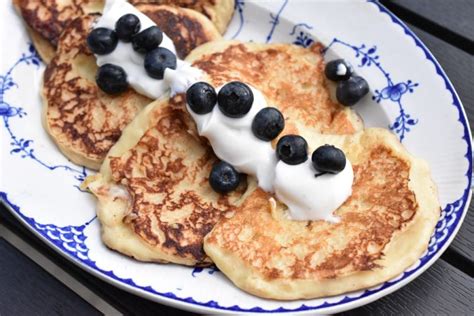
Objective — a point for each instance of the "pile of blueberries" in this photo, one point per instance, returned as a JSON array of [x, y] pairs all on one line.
[[235, 100], [350, 88], [112, 79]]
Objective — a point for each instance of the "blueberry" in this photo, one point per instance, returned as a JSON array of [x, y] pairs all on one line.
[[102, 41], [147, 40], [235, 99], [292, 149], [268, 124], [224, 178], [127, 26], [201, 97], [338, 70], [158, 60], [111, 79], [349, 92], [329, 159]]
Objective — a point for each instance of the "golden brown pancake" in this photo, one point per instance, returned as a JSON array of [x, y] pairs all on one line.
[[82, 120], [154, 199], [45, 50], [187, 28], [46, 19], [384, 227], [218, 11], [291, 78]]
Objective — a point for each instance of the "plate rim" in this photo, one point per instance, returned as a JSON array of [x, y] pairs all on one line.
[[367, 295]]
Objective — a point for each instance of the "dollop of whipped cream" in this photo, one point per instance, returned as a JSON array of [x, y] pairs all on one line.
[[307, 197], [132, 62], [311, 197], [234, 142]]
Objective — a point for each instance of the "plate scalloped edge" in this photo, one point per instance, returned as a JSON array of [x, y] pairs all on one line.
[[448, 225]]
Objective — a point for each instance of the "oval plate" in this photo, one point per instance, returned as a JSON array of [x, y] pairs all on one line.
[[410, 94]]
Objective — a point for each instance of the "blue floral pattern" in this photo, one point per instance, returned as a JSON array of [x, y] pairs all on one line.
[[20, 145], [275, 20], [447, 218], [7, 83], [303, 38], [392, 91], [69, 238], [239, 8], [210, 270]]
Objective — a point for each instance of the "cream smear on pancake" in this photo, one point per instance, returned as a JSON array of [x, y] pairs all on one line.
[[307, 196], [311, 197], [233, 141], [133, 62]]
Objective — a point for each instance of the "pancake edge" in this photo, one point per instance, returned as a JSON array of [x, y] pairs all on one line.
[[403, 250]]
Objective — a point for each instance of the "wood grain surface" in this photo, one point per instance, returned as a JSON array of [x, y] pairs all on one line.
[[26, 289], [459, 66], [442, 290], [454, 15], [450, 21], [123, 301]]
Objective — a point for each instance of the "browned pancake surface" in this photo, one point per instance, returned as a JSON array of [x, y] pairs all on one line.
[[172, 206], [218, 11], [291, 78], [202, 6], [166, 173], [83, 120], [380, 205], [48, 18], [186, 28]]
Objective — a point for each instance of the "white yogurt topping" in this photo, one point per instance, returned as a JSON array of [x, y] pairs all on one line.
[[234, 142], [309, 197], [133, 62], [182, 78]]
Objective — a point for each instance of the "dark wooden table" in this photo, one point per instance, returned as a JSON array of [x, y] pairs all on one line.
[[36, 280]]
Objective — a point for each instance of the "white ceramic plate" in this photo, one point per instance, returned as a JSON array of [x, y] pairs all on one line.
[[410, 95]]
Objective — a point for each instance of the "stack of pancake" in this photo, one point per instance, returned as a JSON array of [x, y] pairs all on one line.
[[154, 201]]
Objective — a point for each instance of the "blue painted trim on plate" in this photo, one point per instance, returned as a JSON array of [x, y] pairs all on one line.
[[448, 222], [368, 57], [275, 20], [210, 270], [20, 145], [301, 25], [392, 91], [239, 7]]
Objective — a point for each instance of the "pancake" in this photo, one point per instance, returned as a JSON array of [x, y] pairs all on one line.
[[45, 50], [187, 28], [385, 227], [154, 199], [291, 78], [84, 121], [218, 11], [46, 19]]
